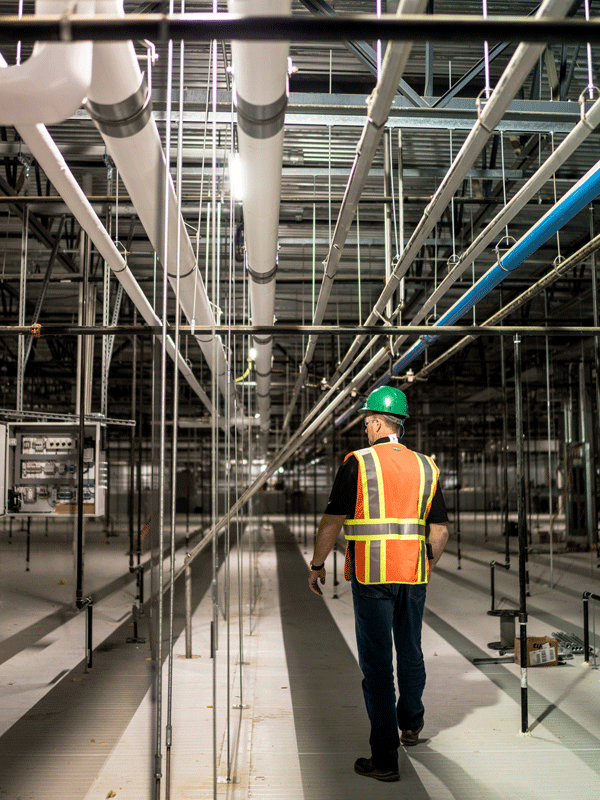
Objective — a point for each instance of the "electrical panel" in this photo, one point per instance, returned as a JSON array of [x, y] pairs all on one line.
[[42, 465]]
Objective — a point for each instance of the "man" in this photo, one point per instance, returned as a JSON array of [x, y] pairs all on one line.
[[389, 502]]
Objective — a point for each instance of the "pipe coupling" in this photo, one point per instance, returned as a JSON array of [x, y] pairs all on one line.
[[262, 277], [124, 119], [261, 122]]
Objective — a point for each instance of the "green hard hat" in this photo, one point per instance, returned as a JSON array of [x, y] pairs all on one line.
[[386, 400]]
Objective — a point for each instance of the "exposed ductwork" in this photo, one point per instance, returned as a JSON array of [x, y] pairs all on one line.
[[119, 103], [52, 83], [50, 159], [567, 207], [517, 70], [515, 73], [260, 83]]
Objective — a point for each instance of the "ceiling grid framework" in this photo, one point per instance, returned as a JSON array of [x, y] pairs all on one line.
[[327, 107]]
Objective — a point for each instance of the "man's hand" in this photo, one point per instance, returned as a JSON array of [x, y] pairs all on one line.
[[314, 578]]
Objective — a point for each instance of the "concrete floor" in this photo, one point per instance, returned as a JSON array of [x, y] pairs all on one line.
[[71, 734]]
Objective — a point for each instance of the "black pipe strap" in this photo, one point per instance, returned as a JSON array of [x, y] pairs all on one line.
[[124, 119], [262, 374], [262, 277], [261, 122]]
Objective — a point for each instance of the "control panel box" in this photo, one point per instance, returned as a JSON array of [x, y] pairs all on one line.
[[42, 465]]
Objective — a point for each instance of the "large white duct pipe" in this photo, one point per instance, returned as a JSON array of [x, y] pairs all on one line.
[[119, 104], [260, 75], [51, 84], [51, 160]]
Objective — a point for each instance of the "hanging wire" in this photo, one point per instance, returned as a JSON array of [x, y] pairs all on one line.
[[215, 395], [590, 86], [559, 256], [503, 176], [358, 265], [486, 57], [549, 434], [452, 204], [19, 43], [314, 259], [390, 148], [174, 445], [379, 46], [199, 229], [329, 179], [162, 446]]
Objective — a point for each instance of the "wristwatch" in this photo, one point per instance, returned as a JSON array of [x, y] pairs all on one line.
[[317, 569]]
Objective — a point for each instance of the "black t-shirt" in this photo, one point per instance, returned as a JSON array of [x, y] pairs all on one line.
[[342, 499]]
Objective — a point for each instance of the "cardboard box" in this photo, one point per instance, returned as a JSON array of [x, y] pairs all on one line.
[[542, 651]]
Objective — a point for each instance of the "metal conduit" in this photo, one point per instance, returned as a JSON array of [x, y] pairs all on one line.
[[379, 104], [489, 117], [571, 204], [51, 160], [589, 121], [513, 77], [587, 250]]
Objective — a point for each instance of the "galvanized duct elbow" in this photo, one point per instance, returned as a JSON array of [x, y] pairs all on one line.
[[52, 83]]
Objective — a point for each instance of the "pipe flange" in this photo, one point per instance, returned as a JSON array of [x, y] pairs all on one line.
[[124, 119], [263, 339]]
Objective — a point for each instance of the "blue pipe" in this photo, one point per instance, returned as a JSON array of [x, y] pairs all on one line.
[[567, 207]]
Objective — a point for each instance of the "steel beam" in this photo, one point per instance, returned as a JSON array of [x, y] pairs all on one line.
[[302, 330], [161, 28]]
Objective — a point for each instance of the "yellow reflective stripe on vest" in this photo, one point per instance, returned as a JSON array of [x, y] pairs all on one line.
[[372, 483], [428, 473]]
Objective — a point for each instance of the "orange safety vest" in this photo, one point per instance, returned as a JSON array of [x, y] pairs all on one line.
[[394, 494]]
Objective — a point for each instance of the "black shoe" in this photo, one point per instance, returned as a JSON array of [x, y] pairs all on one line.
[[410, 738], [365, 766]]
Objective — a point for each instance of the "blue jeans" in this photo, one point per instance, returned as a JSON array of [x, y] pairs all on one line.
[[386, 612]]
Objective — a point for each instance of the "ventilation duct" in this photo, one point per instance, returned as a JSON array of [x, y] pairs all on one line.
[[119, 104], [260, 75], [52, 83]]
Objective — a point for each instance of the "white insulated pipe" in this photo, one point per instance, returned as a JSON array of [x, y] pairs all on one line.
[[52, 83], [51, 160], [260, 92], [120, 105]]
